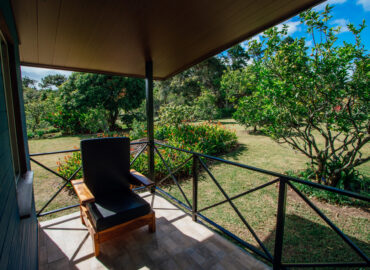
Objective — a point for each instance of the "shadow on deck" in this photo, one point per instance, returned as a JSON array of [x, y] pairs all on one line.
[[179, 243]]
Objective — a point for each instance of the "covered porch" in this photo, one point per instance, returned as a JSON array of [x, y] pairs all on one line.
[[179, 243], [151, 40]]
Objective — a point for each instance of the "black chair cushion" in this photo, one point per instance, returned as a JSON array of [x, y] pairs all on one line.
[[106, 165], [113, 210]]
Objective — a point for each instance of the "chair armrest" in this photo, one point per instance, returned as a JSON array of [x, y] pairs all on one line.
[[83, 192], [138, 179]]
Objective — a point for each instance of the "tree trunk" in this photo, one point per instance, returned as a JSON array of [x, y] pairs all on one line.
[[113, 115], [319, 171], [334, 179]]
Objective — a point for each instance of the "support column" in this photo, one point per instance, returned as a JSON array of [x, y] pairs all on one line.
[[150, 115]]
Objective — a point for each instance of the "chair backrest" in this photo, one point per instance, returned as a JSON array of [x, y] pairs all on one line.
[[106, 165]]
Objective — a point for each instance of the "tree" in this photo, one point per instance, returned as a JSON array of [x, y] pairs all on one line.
[[240, 88], [237, 57], [185, 87], [50, 81], [38, 105], [317, 99], [112, 94], [27, 82], [205, 106]]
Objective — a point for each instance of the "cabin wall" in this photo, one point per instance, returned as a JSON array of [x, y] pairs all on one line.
[[18, 237]]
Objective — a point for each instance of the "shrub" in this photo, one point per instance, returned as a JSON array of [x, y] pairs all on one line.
[[353, 182], [138, 130], [69, 165], [205, 106], [41, 133], [75, 122], [173, 158], [205, 138], [175, 114]]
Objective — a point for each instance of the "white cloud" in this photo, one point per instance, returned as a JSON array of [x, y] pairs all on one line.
[[38, 73], [322, 6], [292, 26], [309, 43], [364, 3], [342, 23]]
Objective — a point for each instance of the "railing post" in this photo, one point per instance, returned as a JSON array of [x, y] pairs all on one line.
[[280, 220], [195, 187], [150, 116]]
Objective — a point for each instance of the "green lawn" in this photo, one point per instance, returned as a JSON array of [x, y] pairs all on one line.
[[307, 237]]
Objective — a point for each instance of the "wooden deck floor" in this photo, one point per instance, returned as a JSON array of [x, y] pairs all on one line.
[[179, 243]]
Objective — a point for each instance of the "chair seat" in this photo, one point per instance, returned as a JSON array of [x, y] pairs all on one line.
[[115, 209]]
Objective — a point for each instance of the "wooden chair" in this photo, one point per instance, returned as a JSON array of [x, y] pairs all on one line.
[[108, 205]]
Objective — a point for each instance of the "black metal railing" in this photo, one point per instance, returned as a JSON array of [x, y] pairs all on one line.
[[283, 180], [67, 181]]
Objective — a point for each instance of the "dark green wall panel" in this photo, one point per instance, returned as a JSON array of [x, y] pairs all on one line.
[[18, 237]]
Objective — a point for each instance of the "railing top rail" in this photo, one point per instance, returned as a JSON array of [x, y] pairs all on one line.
[[55, 152], [72, 150], [280, 175]]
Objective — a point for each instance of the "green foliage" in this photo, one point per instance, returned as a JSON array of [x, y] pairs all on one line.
[[357, 183], [205, 138], [301, 94], [27, 82], [172, 158], [175, 114], [135, 115], [138, 130], [69, 165], [184, 88], [111, 94], [41, 133], [237, 57], [52, 81], [205, 106], [38, 104], [76, 122]]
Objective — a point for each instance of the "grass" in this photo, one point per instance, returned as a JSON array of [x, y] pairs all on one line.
[[46, 183], [307, 237]]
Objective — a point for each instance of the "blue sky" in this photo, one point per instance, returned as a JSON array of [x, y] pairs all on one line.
[[344, 11]]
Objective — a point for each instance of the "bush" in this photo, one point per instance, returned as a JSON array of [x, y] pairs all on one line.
[[175, 114], [130, 117], [357, 183], [205, 106], [205, 138], [40, 133], [138, 130], [69, 165], [75, 122]]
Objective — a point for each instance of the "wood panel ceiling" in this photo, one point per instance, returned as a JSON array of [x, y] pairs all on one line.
[[118, 36]]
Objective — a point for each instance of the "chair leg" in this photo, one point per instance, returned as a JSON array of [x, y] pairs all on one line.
[[81, 215], [95, 239], [152, 227]]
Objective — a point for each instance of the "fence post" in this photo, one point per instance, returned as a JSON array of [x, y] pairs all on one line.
[[195, 187], [280, 220]]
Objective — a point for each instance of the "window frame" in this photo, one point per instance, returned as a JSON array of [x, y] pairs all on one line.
[[12, 104]]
